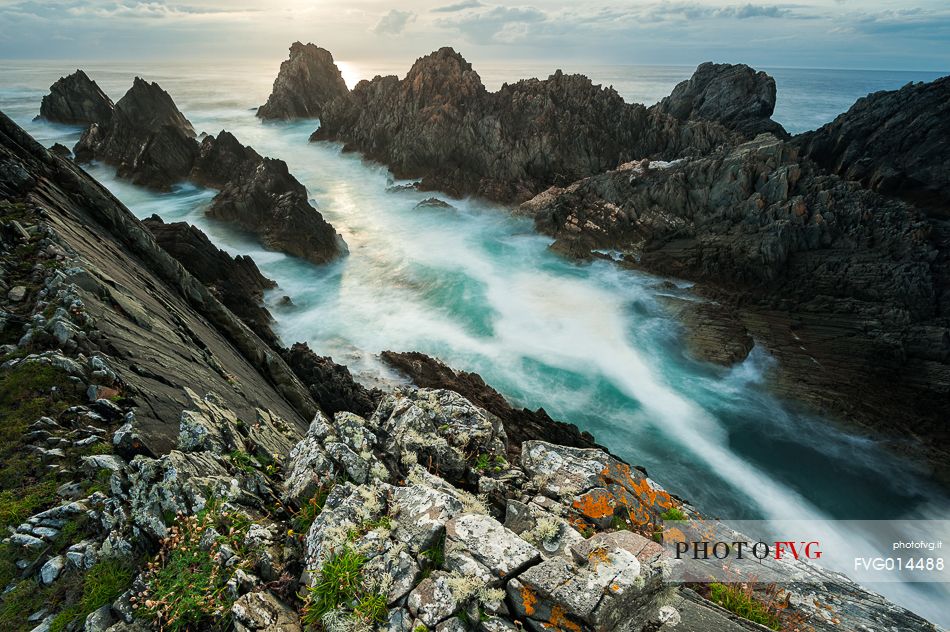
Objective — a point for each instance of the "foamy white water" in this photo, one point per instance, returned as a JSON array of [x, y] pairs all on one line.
[[477, 288]]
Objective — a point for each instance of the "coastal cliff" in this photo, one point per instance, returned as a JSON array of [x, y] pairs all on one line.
[[171, 471]]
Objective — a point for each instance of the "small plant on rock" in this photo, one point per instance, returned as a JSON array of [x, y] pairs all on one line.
[[340, 592], [674, 513]]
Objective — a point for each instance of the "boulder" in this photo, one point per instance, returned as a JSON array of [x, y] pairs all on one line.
[[498, 549], [732, 94], [76, 100], [261, 611], [307, 81], [330, 384]]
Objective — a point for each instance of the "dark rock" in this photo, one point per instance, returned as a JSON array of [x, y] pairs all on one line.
[[520, 424], [732, 94], [441, 124], [307, 81], [148, 139], [892, 142], [61, 150], [76, 100], [846, 287], [433, 203], [330, 384], [235, 281], [712, 332], [261, 196]]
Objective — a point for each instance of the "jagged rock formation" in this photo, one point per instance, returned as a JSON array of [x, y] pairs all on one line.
[[307, 81], [153, 144], [261, 196], [520, 425], [894, 142], [732, 94], [441, 124], [244, 517], [851, 277], [330, 384], [235, 281], [76, 100], [147, 139]]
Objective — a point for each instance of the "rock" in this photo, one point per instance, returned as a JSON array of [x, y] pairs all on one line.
[[148, 139], [307, 81], [732, 94], [441, 124], [490, 543], [99, 620], [423, 512], [262, 197], [235, 281], [712, 331], [262, 611], [17, 293], [432, 601], [520, 425], [892, 142], [433, 203], [76, 100], [330, 384], [51, 569]]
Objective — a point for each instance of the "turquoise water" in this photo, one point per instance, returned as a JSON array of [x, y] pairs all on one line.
[[476, 287]]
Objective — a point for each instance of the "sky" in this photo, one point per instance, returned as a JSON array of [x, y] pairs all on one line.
[[871, 34]]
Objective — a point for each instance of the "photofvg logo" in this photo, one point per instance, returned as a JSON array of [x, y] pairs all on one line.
[[801, 551]]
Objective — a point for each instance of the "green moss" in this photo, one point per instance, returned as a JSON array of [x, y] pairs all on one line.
[[18, 505], [15, 606], [101, 585], [743, 604], [25, 395], [673, 513]]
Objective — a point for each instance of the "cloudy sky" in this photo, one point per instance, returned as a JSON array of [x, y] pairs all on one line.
[[885, 34]]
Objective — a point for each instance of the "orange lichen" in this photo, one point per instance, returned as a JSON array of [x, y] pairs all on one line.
[[595, 504], [598, 556], [528, 600], [560, 622]]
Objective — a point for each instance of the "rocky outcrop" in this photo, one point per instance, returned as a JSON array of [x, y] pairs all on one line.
[[732, 94], [261, 196], [440, 124], [846, 287], [235, 281], [330, 384], [520, 424], [76, 100], [307, 81], [148, 139], [153, 144], [893, 142]]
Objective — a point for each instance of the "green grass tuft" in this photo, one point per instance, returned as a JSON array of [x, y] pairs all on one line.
[[674, 513], [743, 604]]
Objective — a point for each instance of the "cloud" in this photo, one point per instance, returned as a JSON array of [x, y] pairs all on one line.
[[459, 6], [496, 24], [394, 22]]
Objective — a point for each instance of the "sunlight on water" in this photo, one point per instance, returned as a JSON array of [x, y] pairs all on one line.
[[479, 289]]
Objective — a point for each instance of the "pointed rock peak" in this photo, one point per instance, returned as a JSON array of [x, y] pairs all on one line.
[[308, 80], [76, 99], [443, 76], [149, 107]]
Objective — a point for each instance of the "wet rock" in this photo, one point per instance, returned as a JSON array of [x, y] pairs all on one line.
[[307, 81], [732, 94], [330, 384], [433, 203], [76, 100]]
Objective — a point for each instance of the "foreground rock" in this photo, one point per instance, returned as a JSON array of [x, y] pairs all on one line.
[[844, 286], [307, 81], [76, 100], [148, 139], [441, 124], [235, 281], [894, 142], [520, 425], [732, 94]]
